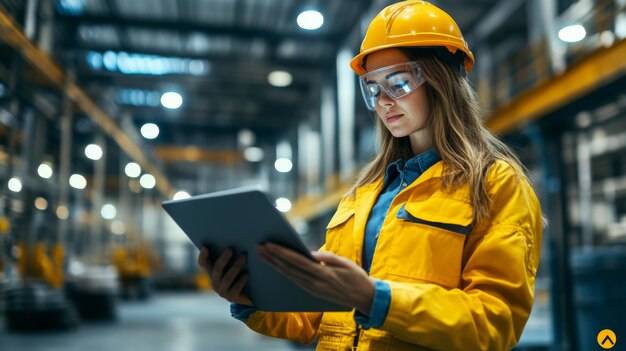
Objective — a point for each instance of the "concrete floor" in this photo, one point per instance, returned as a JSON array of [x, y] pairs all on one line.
[[190, 322], [172, 322]]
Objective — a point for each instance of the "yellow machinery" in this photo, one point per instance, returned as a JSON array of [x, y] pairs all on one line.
[[134, 266], [40, 264]]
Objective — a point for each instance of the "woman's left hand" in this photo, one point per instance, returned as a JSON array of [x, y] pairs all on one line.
[[333, 278]]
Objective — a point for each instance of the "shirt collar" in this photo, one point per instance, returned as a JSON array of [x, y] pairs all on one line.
[[422, 162], [419, 163]]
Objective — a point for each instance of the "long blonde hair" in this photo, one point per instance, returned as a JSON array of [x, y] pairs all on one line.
[[465, 145]]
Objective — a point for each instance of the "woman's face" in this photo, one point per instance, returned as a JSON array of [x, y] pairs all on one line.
[[407, 115]]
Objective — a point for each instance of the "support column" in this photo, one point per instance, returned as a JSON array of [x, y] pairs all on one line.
[[346, 100], [96, 250], [543, 22]]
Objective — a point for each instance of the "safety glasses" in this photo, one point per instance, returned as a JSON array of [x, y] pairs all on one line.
[[396, 81]]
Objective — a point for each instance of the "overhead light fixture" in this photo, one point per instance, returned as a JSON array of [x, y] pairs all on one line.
[[135, 63], [171, 100], [280, 78], [181, 195], [283, 204], [150, 130], [246, 137], [283, 165], [71, 7], [41, 203], [93, 152], [108, 212], [310, 20], [44, 170], [77, 181], [62, 212], [573, 33], [118, 227], [132, 170], [253, 154], [147, 181], [15, 184]]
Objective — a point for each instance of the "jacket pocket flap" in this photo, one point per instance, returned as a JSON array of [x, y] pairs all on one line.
[[340, 217], [445, 213]]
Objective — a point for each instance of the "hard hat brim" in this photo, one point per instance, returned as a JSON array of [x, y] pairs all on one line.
[[357, 62]]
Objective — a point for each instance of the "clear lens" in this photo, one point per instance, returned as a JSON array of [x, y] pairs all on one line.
[[396, 81]]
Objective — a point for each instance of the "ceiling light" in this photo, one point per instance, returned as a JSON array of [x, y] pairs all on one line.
[[118, 227], [283, 205], [573, 33], [283, 165], [62, 212], [108, 211], [280, 78], [132, 169], [41, 203], [147, 181], [93, 152], [253, 154], [150, 131], [181, 195], [77, 181], [171, 100], [246, 137], [310, 20], [45, 171], [15, 184]]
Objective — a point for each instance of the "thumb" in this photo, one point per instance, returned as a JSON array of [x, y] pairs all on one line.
[[330, 259]]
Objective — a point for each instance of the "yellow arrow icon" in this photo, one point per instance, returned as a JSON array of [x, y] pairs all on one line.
[[607, 339]]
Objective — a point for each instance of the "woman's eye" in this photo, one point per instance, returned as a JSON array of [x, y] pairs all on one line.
[[400, 85]]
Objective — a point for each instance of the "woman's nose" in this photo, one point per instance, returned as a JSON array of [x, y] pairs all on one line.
[[384, 100]]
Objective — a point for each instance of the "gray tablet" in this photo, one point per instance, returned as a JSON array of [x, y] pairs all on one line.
[[241, 219]]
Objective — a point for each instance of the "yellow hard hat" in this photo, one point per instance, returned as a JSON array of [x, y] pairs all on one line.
[[412, 23]]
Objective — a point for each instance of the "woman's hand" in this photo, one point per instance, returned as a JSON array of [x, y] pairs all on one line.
[[335, 278], [225, 283]]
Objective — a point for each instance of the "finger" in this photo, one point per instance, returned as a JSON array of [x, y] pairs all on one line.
[[331, 259], [232, 273], [204, 261], [288, 269], [237, 288], [203, 256], [294, 258], [218, 266]]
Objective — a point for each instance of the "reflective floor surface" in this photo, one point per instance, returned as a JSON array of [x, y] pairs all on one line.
[[172, 322]]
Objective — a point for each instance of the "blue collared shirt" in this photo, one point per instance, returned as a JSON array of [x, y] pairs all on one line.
[[398, 176]]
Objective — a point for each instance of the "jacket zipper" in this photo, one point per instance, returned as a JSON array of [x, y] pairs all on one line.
[[355, 343]]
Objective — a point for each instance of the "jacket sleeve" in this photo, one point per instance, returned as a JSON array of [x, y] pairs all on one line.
[[302, 327], [492, 306]]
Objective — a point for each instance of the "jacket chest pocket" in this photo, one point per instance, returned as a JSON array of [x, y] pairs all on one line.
[[340, 226], [428, 241]]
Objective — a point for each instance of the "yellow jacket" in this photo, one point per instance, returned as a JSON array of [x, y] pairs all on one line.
[[449, 291]]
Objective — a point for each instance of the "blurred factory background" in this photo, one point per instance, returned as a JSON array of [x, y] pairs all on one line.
[[108, 107]]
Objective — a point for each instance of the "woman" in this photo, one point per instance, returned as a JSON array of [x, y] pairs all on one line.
[[437, 244]]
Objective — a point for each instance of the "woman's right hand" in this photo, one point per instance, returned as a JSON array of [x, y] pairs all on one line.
[[226, 283]]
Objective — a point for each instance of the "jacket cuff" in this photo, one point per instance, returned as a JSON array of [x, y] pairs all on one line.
[[380, 307], [241, 312]]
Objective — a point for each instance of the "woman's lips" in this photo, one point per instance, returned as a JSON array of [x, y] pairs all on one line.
[[393, 118]]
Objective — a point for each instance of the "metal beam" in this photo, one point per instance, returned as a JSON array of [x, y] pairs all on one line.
[[273, 38], [11, 34], [194, 154], [600, 68], [494, 20]]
